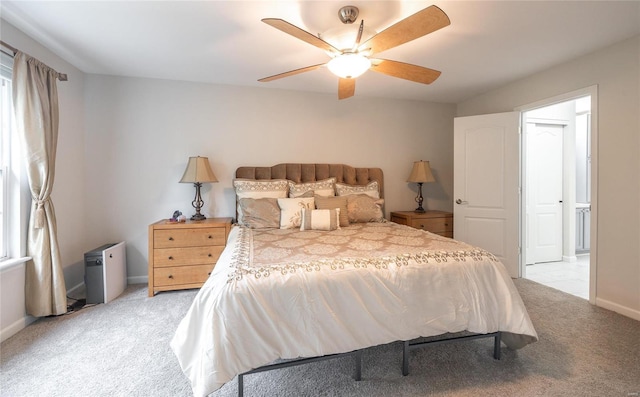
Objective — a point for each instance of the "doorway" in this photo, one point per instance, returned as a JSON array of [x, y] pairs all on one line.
[[556, 176]]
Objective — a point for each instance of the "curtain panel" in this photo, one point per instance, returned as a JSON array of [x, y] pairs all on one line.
[[35, 100]]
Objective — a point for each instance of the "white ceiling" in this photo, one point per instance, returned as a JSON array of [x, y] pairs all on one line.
[[488, 44]]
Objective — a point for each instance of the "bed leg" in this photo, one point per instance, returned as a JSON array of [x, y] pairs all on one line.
[[240, 385], [496, 346], [358, 375], [405, 359]]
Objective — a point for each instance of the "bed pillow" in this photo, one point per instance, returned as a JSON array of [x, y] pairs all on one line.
[[329, 203], [291, 211], [363, 208], [324, 188], [262, 213], [371, 189], [320, 219], [250, 188]]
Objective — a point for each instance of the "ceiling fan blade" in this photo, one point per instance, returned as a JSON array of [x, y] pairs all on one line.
[[405, 71], [346, 88], [359, 37], [298, 33], [291, 73], [417, 25]]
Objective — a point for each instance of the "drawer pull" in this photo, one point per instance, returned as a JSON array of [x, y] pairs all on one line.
[[171, 276], [421, 226], [170, 238], [210, 236], [171, 258], [209, 273], [210, 255]]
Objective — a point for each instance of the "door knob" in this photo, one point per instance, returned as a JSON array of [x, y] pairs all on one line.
[[458, 201]]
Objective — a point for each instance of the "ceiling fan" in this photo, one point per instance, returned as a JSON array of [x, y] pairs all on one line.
[[352, 61]]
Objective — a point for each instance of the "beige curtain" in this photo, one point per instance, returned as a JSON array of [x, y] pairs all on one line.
[[35, 100]]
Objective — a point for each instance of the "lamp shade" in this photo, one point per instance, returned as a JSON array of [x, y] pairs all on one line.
[[198, 170], [421, 172]]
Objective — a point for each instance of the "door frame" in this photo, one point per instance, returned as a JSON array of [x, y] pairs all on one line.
[[593, 257]]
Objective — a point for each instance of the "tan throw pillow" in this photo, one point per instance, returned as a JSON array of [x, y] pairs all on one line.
[[362, 208], [250, 188], [371, 189], [291, 211], [320, 219], [262, 213], [329, 203], [325, 187]]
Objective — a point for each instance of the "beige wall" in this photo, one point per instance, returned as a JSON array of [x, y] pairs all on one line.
[[616, 72], [140, 133]]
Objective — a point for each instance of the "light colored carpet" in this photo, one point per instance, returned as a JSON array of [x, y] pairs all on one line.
[[122, 349]]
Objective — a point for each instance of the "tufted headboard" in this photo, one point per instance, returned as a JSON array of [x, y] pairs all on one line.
[[301, 172]]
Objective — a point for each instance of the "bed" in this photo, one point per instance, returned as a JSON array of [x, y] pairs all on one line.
[[334, 278]]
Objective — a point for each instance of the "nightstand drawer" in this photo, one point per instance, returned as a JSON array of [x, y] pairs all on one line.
[[189, 237], [438, 222], [164, 276], [164, 257], [434, 225]]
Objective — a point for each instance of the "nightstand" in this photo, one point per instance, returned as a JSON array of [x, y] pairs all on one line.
[[182, 255], [438, 222]]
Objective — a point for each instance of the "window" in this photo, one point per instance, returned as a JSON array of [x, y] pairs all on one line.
[[6, 63]]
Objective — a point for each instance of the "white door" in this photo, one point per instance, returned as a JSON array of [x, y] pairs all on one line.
[[486, 168], [544, 179]]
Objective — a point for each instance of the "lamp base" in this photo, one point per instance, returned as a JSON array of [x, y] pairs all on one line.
[[197, 203], [419, 199]]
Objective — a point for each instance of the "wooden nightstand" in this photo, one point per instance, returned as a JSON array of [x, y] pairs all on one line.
[[182, 255], [438, 222]]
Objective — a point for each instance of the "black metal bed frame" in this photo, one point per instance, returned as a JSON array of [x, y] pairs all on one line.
[[300, 361], [407, 346]]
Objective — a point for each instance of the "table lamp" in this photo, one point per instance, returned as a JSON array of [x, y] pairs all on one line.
[[198, 172], [421, 173]]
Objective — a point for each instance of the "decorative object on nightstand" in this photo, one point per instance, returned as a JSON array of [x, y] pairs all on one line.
[[198, 172], [421, 173], [437, 222], [183, 254]]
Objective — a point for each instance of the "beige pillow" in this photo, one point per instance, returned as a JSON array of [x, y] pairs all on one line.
[[329, 203], [320, 219], [262, 213], [371, 189], [363, 208], [250, 188], [291, 211], [325, 187]]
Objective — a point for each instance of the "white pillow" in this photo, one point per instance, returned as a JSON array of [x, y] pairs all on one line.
[[371, 189], [324, 188], [250, 188], [291, 211], [320, 219]]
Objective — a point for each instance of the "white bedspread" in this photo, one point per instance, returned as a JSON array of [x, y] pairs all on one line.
[[281, 294]]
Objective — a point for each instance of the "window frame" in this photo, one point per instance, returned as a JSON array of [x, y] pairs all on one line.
[[17, 196], [5, 158]]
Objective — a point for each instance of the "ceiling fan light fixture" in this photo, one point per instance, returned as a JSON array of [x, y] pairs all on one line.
[[349, 66]]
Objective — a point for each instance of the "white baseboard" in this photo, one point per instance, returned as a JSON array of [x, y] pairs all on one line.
[[569, 258], [16, 327], [76, 288], [138, 280], [625, 311]]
